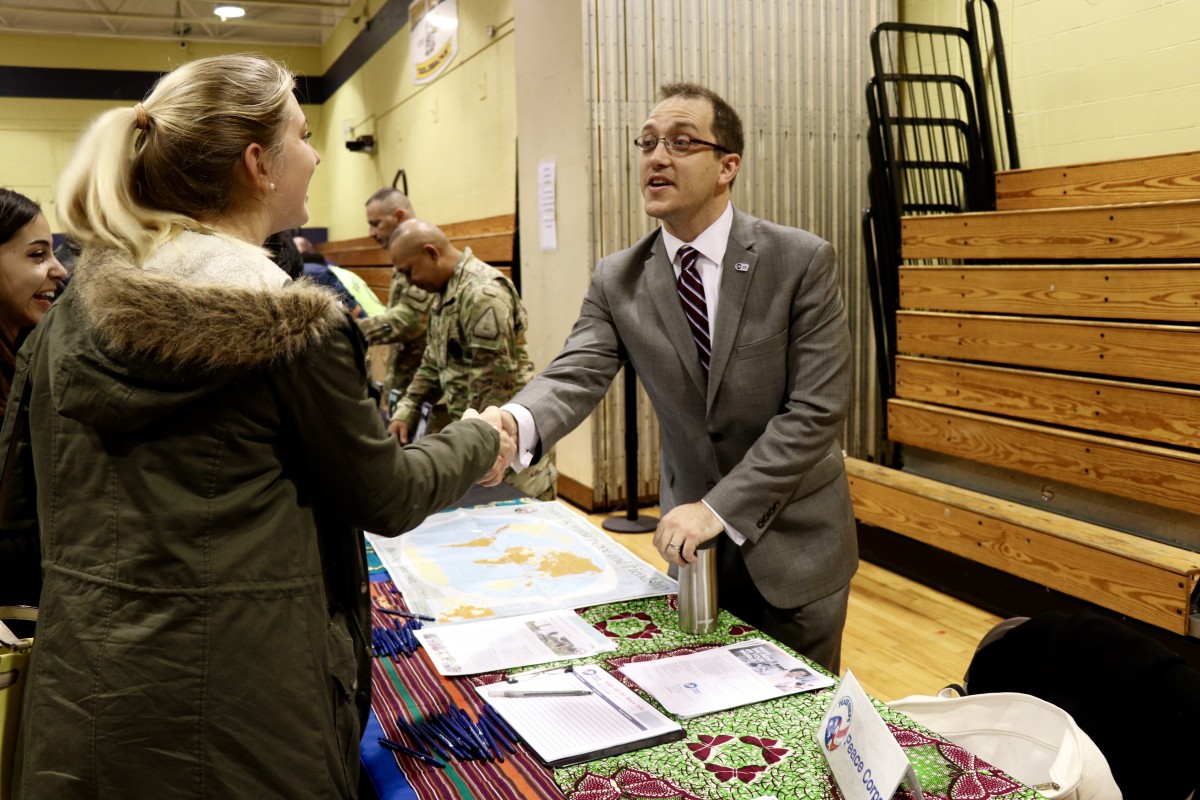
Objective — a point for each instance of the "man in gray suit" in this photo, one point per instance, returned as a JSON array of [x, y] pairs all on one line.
[[736, 328]]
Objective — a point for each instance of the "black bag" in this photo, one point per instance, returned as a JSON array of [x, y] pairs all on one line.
[[1138, 700]]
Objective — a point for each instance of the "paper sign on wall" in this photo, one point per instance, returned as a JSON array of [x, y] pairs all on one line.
[[547, 211], [865, 759]]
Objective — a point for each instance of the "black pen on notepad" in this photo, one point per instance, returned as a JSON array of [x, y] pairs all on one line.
[[541, 693]]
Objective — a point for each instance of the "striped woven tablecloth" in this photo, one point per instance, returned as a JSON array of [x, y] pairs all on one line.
[[759, 751]]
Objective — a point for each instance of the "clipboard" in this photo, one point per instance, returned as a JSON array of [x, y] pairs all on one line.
[[561, 731]]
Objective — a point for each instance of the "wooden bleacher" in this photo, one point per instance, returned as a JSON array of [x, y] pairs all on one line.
[[1053, 342], [492, 239]]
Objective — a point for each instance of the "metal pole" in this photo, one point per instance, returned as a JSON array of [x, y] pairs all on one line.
[[631, 523]]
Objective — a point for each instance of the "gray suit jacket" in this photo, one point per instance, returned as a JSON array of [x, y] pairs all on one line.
[[761, 441]]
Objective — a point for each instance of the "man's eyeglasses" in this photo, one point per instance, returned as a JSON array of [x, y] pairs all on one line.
[[680, 143]]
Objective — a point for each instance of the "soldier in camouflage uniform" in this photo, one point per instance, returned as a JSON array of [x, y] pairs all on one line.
[[404, 323], [475, 351]]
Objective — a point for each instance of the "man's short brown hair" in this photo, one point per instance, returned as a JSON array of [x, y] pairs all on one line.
[[727, 125]]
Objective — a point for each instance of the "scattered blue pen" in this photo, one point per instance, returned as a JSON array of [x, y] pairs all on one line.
[[464, 728], [495, 732], [493, 739], [416, 731], [408, 751], [418, 742], [403, 638], [501, 724], [472, 727], [448, 737]]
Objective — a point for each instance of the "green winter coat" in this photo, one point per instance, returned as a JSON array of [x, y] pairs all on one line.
[[206, 454]]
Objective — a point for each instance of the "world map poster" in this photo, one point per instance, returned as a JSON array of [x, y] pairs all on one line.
[[500, 561]]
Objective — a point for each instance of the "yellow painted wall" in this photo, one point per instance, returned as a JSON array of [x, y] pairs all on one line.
[[78, 52], [37, 136], [455, 138], [554, 122], [1094, 80]]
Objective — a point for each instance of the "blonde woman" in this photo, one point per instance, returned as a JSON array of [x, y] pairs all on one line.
[[206, 452]]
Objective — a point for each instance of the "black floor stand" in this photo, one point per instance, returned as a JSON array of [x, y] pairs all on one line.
[[631, 522]]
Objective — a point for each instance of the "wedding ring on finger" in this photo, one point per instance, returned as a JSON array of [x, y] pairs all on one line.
[[674, 546]]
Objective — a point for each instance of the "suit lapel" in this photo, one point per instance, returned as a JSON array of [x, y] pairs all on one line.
[[737, 270], [660, 280]]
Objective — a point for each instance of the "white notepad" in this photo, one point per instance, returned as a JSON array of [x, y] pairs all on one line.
[[563, 730]]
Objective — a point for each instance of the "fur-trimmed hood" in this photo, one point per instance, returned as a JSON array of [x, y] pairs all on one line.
[[130, 343]]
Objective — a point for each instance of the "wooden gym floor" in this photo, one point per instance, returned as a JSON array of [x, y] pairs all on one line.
[[901, 636]]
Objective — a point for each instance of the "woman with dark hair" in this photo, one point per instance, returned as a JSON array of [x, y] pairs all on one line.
[[29, 273], [206, 456]]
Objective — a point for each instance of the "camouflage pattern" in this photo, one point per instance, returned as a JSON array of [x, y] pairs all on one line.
[[475, 356], [403, 327]]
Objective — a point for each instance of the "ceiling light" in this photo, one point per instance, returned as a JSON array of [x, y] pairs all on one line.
[[229, 12]]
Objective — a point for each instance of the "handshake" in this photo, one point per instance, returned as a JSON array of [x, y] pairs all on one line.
[[506, 425]]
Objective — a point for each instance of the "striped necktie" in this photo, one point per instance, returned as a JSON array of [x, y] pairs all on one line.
[[691, 294]]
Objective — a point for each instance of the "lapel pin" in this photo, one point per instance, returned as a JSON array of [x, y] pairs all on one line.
[[741, 266]]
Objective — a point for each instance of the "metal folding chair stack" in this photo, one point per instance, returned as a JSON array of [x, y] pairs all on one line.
[[940, 127]]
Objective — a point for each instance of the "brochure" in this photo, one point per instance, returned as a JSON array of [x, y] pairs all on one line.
[[491, 645], [725, 677]]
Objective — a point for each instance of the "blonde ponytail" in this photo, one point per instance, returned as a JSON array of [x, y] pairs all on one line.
[[138, 177], [96, 202]]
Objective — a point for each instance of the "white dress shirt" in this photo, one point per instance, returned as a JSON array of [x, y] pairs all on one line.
[[710, 244]]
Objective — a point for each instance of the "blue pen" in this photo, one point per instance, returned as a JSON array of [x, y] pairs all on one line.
[[494, 715], [412, 628], [417, 741], [448, 739], [492, 728], [473, 728], [492, 739], [384, 643], [466, 740], [410, 636], [397, 639], [503, 728], [408, 751], [413, 644], [416, 731], [464, 728]]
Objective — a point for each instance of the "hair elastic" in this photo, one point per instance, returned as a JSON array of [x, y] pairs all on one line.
[[143, 119]]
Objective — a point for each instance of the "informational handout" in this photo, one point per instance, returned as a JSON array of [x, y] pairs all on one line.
[[504, 643], [724, 677], [504, 561], [569, 718]]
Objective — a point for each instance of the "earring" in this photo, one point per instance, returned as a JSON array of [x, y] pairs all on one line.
[[272, 187]]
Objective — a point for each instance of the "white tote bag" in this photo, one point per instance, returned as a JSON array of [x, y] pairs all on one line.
[[1034, 741]]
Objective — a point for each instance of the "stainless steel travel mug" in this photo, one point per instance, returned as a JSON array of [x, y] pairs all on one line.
[[698, 591]]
